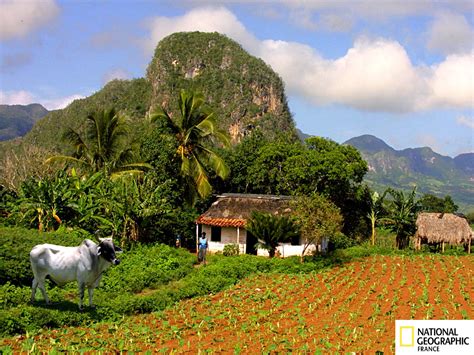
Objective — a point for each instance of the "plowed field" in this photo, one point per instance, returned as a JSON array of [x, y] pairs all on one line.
[[346, 309]]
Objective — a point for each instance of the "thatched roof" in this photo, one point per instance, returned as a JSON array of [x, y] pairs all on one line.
[[443, 227], [233, 210]]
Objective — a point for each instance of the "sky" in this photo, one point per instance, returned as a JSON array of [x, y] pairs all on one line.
[[402, 70]]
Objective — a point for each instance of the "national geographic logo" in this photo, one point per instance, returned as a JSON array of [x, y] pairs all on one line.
[[434, 336]]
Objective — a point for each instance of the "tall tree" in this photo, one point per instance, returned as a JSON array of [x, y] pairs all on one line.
[[431, 203], [402, 212], [196, 133], [103, 147], [317, 218]]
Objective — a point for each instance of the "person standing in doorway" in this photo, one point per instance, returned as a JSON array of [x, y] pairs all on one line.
[[202, 248]]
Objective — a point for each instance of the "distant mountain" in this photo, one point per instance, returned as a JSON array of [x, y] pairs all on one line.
[[17, 120], [431, 172], [302, 136], [465, 162], [371, 144]]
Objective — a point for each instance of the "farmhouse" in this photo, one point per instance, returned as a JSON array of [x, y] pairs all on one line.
[[224, 222], [442, 228]]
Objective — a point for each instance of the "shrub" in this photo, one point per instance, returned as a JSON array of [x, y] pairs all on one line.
[[231, 250], [147, 266], [15, 247], [340, 241]]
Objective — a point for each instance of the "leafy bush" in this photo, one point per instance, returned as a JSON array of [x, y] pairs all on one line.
[[15, 247], [231, 250], [147, 266], [341, 241]]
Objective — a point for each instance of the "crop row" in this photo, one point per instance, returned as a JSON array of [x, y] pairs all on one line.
[[349, 308]]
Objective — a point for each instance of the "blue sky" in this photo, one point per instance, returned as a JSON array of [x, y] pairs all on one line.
[[400, 70]]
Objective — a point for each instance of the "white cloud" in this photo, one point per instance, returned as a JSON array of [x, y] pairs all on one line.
[[16, 98], [18, 18], [450, 33], [466, 121], [116, 73], [373, 75], [26, 98], [203, 19], [60, 102], [452, 82]]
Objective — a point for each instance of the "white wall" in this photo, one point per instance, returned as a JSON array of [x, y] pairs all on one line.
[[229, 236], [286, 250]]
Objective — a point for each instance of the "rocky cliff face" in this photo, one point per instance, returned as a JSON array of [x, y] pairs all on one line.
[[243, 91]]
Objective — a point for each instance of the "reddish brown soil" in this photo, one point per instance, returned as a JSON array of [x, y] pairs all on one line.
[[348, 309]]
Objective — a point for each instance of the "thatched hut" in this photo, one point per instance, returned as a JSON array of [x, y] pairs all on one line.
[[443, 228], [224, 222]]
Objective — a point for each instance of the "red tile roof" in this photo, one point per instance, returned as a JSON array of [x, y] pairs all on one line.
[[221, 222]]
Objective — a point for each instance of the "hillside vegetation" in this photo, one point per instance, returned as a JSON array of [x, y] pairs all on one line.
[[243, 91], [431, 172], [17, 120]]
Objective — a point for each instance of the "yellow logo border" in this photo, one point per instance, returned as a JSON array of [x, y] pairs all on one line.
[[412, 328]]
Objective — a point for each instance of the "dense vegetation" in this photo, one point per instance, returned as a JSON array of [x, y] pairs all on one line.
[[243, 90], [143, 176]]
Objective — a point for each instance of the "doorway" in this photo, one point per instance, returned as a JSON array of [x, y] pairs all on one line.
[[251, 241]]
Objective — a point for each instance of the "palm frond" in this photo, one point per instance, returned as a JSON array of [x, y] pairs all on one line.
[[218, 164], [66, 158]]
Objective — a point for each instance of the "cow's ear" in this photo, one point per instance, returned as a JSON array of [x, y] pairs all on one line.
[[98, 251], [117, 249]]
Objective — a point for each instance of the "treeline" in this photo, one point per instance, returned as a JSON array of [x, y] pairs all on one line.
[[151, 189]]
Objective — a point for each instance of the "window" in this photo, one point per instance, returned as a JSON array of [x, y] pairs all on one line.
[[295, 240], [215, 234]]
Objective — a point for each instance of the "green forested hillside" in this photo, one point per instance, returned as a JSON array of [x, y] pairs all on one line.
[[130, 97], [431, 172], [243, 90], [17, 120]]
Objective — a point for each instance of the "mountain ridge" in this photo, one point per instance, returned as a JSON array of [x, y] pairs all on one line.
[[431, 172], [17, 120]]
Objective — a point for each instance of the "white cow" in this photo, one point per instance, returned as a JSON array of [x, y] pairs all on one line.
[[84, 264]]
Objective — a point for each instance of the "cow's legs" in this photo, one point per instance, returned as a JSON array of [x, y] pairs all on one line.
[[81, 294], [91, 293], [33, 289], [39, 282], [43, 291]]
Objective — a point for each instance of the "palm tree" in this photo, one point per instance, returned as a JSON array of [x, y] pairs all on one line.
[[196, 132], [402, 215], [103, 147], [271, 230]]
